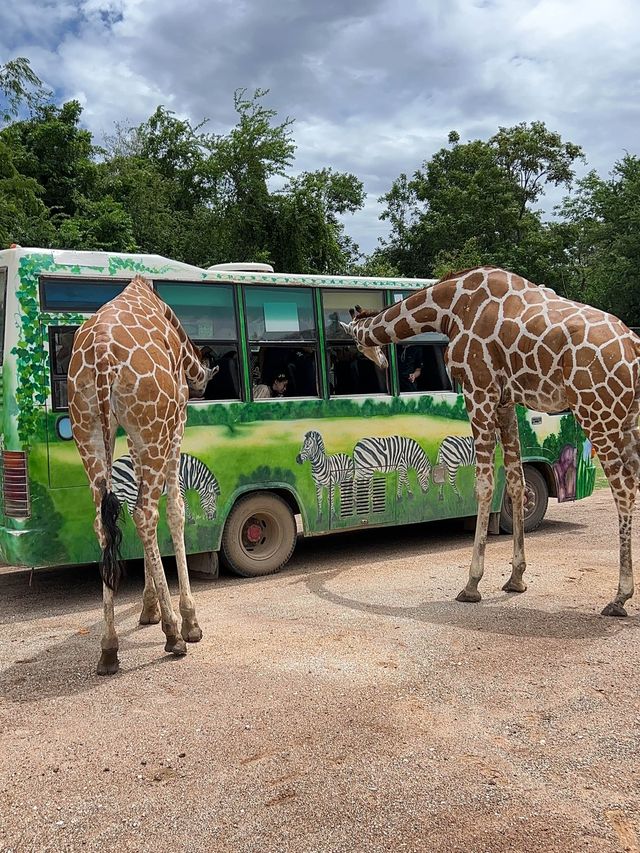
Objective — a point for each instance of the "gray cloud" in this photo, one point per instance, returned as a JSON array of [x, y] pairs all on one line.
[[374, 85]]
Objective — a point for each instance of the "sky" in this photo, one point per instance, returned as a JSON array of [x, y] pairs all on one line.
[[374, 86]]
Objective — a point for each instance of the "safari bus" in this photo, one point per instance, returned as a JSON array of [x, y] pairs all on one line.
[[297, 431]]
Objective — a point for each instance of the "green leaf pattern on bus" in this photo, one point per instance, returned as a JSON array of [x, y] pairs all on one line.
[[32, 363]]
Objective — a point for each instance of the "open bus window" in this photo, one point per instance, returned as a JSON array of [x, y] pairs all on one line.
[[350, 372], [278, 371], [225, 385], [60, 346], [207, 313], [421, 367], [283, 342]]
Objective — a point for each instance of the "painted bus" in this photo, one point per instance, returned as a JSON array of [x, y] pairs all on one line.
[[297, 432]]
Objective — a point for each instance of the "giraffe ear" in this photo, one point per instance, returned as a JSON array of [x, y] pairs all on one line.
[[345, 327]]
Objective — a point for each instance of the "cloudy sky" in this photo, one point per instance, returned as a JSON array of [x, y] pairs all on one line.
[[374, 86]]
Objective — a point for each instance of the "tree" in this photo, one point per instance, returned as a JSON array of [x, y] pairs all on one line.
[[603, 225], [472, 203], [307, 235], [534, 156], [241, 165], [54, 150], [19, 84], [100, 225]]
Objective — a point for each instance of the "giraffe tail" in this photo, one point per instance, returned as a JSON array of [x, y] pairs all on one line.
[[111, 565]]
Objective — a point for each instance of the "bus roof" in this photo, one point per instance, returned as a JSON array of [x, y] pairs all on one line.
[[293, 280], [103, 263]]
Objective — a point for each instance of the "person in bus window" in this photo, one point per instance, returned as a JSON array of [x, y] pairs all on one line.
[[277, 388], [410, 367]]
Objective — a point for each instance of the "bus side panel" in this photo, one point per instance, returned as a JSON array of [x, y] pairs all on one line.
[[559, 441]]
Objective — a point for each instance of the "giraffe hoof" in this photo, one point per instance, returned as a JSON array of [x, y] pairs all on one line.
[[175, 645], [514, 586], [468, 597], [191, 633], [150, 616], [614, 609], [108, 663]]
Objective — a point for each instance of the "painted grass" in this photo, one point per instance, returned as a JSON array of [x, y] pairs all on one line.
[[266, 450], [601, 480]]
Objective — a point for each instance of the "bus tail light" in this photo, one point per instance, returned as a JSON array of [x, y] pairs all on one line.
[[15, 484]]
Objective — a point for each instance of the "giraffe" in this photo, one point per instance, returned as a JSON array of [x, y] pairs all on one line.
[[513, 342], [132, 365]]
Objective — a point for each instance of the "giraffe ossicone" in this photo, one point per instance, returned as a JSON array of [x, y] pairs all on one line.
[[132, 365], [514, 342]]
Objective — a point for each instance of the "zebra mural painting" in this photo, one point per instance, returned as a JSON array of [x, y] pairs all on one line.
[[456, 451], [328, 472], [388, 454], [193, 474]]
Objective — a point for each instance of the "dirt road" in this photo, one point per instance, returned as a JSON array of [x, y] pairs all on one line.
[[347, 704]]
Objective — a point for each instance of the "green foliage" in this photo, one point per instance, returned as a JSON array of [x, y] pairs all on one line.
[[99, 225], [307, 235], [265, 474], [567, 434], [42, 545], [32, 363], [603, 238], [472, 203], [19, 84]]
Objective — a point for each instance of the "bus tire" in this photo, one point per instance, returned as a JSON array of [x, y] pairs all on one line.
[[259, 535], [536, 502]]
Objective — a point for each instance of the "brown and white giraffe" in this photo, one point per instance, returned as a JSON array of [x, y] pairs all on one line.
[[511, 341], [133, 365]]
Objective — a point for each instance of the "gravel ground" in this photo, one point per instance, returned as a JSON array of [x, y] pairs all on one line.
[[346, 704]]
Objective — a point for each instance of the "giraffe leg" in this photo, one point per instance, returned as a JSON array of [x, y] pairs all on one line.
[[148, 466], [509, 436], [108, 663], [150, 607], [190, 630], [484, 432], [624, 486]]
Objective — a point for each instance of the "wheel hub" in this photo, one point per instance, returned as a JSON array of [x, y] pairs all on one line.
[[253, 532]]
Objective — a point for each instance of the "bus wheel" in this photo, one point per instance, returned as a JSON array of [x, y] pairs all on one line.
[[259, 536], [536, 500]]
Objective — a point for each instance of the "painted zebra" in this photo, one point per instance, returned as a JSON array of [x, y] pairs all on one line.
[[455, 452], [192, 474], [388, 454], [328, 472]]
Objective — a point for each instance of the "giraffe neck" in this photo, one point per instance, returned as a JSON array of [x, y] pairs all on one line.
[[428, 310]]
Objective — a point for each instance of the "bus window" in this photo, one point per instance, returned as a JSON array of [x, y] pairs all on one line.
[[350, 372], [421, 366], [3, 299], [77, 294], [208, 315], [60, 344], [283, 342]]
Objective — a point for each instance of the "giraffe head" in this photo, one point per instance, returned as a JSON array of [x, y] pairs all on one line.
[[374, 353], [198, 379]]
